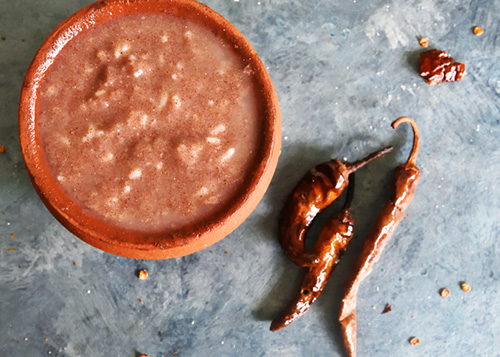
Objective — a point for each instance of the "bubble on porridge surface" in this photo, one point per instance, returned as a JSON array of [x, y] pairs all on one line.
[[248, 70], [121, 48], [212, 200], [212, 140], [137, 119], [159, 165], [88, 69], [135, 174], [227, 155], [126, 189], [60, 178], [163, 100], [175, 76], [101, 55], [64, 140], [107, 157], [189, 155], [179, 65], [92, 133], [51, 90], [188, 35], [164, 38], [100, 92], [202, 191], [116, 94], [138, 73], [218, 129], [211, 103], [176, 101]]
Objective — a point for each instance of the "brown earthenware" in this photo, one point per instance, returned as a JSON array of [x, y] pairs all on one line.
[[121, 241]]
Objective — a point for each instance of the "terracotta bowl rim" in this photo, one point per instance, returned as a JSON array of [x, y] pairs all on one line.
[[126, 242]]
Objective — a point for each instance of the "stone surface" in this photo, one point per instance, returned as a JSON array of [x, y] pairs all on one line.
[[343, 72]]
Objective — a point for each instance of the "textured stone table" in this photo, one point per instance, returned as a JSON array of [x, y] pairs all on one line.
[[343, 71]]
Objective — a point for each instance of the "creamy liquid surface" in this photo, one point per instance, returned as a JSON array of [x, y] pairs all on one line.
[[149, 122]]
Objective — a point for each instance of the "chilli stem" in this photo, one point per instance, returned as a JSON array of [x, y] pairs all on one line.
[[412, 159], [351, 167]]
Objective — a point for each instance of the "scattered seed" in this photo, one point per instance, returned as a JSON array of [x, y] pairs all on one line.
[[424, 42], [387, 308], [74, 263], [478, 31], [143, 274], [12, 235], [445, 293], [45, 339], [2, 149], [465, 287], [142, 302], [414, 341]]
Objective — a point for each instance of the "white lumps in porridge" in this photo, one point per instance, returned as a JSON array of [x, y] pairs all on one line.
[[150, 122]]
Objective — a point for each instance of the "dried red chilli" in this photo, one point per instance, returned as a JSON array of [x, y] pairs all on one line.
[[316, 190], [406, 178], [331, 243]]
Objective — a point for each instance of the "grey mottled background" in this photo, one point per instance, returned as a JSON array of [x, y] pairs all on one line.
[[343, 71]]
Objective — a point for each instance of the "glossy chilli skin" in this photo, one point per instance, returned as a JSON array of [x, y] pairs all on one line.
[[406, 177], [316, 191], [332, 241]]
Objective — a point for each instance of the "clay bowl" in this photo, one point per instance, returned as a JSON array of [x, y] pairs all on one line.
[[128, 242]]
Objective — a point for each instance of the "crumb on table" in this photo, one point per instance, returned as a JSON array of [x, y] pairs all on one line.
[[465, 287], [478, 31], [445, 293], [424, 42], [414, 341], [143, 274]]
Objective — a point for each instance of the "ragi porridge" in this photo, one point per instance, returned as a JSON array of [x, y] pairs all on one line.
[[150, 122]]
